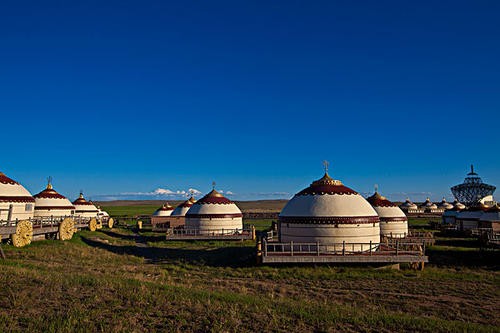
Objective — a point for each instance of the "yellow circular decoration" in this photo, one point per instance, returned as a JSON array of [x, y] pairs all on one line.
[[23, 235], [99, 224], [66, 229], [93, 224], [110, 223]]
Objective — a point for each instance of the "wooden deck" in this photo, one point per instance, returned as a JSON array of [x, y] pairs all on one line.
[[401, 252], [216, 234]]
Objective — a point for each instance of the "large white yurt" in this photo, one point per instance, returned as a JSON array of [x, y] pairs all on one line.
[[214, 213], [165, 210], [14, 197], [393, 221], [329, 212], [182, 209], [84, 208], [49, 203], [444, 205]]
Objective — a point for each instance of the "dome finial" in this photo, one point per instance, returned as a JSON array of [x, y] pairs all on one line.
[[326, 164], [81, 194], [49, 183], [213, 185], [376, 188]]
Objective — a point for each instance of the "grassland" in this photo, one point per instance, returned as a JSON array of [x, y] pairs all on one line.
[[120, 280]]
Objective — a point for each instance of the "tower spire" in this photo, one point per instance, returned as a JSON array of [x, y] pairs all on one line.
[[49, 183], [326, 164], [213, 185]]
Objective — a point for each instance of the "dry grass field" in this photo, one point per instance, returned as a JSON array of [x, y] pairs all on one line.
[[127, 281]]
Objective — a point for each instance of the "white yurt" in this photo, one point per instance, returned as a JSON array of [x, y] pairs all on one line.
[[409, 206], [458, 205], [329, 212], [102, 214], [393, 221], [428, 206], [13, 194], [49, 203], [214, 213], [444, 205], [450, 215], [182, 209], [165, 210], [84, 208]]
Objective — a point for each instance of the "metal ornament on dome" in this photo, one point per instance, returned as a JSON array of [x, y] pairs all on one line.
[[472, 190]]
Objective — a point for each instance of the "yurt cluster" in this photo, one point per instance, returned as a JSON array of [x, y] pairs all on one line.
[[48, 213]]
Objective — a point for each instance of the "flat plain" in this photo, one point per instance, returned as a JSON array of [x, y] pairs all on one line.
[[128, 280]]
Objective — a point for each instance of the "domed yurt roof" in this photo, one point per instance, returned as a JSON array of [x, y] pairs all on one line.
[[458, 205], [329, 212], [408, 205], [214, 205], [83, 206], [165, 210], [15, 201], [50, 202], [428, 204], [445, 204], [182, 209], [385, 208], [11, 191], [328, 199]]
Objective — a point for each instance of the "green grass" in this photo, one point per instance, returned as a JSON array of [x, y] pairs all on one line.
[[101, 281], [130, 210]]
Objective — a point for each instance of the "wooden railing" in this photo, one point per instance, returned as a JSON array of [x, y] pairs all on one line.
[[205, 232], [296, 248]]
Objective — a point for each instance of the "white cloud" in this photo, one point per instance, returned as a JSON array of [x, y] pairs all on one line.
[[194, 191], [229, 193]]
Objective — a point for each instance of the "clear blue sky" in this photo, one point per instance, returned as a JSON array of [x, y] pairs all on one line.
[[128, 97]]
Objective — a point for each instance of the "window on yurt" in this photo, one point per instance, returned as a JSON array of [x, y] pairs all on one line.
[[28, 207]]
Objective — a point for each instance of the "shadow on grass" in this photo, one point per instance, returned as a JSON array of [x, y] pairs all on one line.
[[232, 256], [456, 258]]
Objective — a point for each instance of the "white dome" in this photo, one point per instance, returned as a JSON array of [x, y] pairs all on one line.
[[428, 204], [445, 205], [328, 212], [458, 205], [165, 210], [408, 205], [393, 222], [85, 208], [182, 209], [50, 203], [214, 212], [13, 193]]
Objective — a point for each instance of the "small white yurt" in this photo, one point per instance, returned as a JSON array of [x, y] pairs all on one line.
[[165, 210], [214, 213], [84, 208], [49, 203], [329, 212], [409, 206], [428, 206], [16, 199], [182, 209], [450, 215], [393, 221], [444, 205]]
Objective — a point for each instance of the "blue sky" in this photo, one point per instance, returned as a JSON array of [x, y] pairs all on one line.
[[117, 97]]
